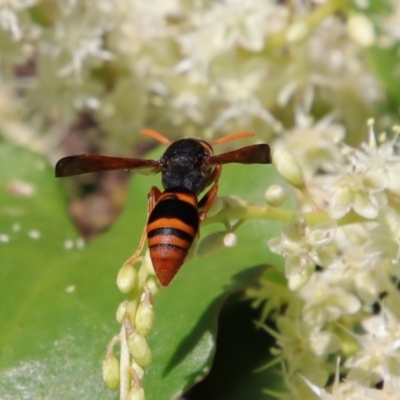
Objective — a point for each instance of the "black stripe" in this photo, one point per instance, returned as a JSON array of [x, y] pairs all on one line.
[[175, 208], [169, 246], [170, 231]]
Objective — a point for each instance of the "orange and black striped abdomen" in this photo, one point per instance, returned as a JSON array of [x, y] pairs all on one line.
[[173, 225]]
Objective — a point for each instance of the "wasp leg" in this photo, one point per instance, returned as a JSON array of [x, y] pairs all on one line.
[[153, 197], [206, 202]]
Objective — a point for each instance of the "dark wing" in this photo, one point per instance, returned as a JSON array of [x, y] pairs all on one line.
[[255, 154], [86, 163]]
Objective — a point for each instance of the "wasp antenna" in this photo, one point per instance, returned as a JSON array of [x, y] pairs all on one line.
[[232, 136], [155, 135]]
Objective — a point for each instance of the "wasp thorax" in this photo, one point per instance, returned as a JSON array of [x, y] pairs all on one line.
[[184, 165]]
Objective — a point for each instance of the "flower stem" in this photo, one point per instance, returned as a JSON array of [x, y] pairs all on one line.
[[124, 365], [253, 211]]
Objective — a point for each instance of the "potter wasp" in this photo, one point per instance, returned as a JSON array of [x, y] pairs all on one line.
[[188, 167]]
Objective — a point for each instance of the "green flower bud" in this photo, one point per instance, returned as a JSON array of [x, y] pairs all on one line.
[[145, 317], [127, 278], [111, 371], [139, 348], [131, 311], [138, 369], [136, 393], [121, 311], [233, 201], [153, 286], [148, 264]]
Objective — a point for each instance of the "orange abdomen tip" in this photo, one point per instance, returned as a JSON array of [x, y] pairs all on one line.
[[166, 267]]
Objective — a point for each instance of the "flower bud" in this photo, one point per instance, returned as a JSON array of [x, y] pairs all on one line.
[[139, 371], [121, 311], [127, 278], [145, 317], [233, 201], [275, 195], [148, 264], [361, 29], [230, 239], [296, 280], [139, 349], [136, 393], [153, 286], [288, 167], [111, 371], [130, 314]]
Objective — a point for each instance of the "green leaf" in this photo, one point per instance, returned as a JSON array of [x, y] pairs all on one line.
[[58, 303], [384, 63], [242, 351], [54, 317]]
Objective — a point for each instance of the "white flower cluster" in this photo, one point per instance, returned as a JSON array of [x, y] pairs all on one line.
[[341, 269], [185, 68], [192, 68]]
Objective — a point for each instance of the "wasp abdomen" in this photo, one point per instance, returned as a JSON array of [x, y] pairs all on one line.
[[173, 224]]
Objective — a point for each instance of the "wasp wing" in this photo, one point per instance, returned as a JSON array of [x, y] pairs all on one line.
[[86, 163], [255, 154]]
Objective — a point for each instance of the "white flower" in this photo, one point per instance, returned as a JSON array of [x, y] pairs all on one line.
[[303, 348], [327, 64], [380, 349], [323, 342], [303, 247], [357, 270], [382, 160], [325, 303], [385, 240], [225, 26], [190, 105], [78, 36], [60, 97], [9, 20], [361, 184], [141, 23], [314, 144], [357, 188], [240, 91], [347, 391]]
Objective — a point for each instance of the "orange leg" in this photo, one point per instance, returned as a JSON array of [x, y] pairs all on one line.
[[154, 195], [208, 199]]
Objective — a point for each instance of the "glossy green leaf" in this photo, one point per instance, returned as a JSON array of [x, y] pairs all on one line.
[[59, 301]]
